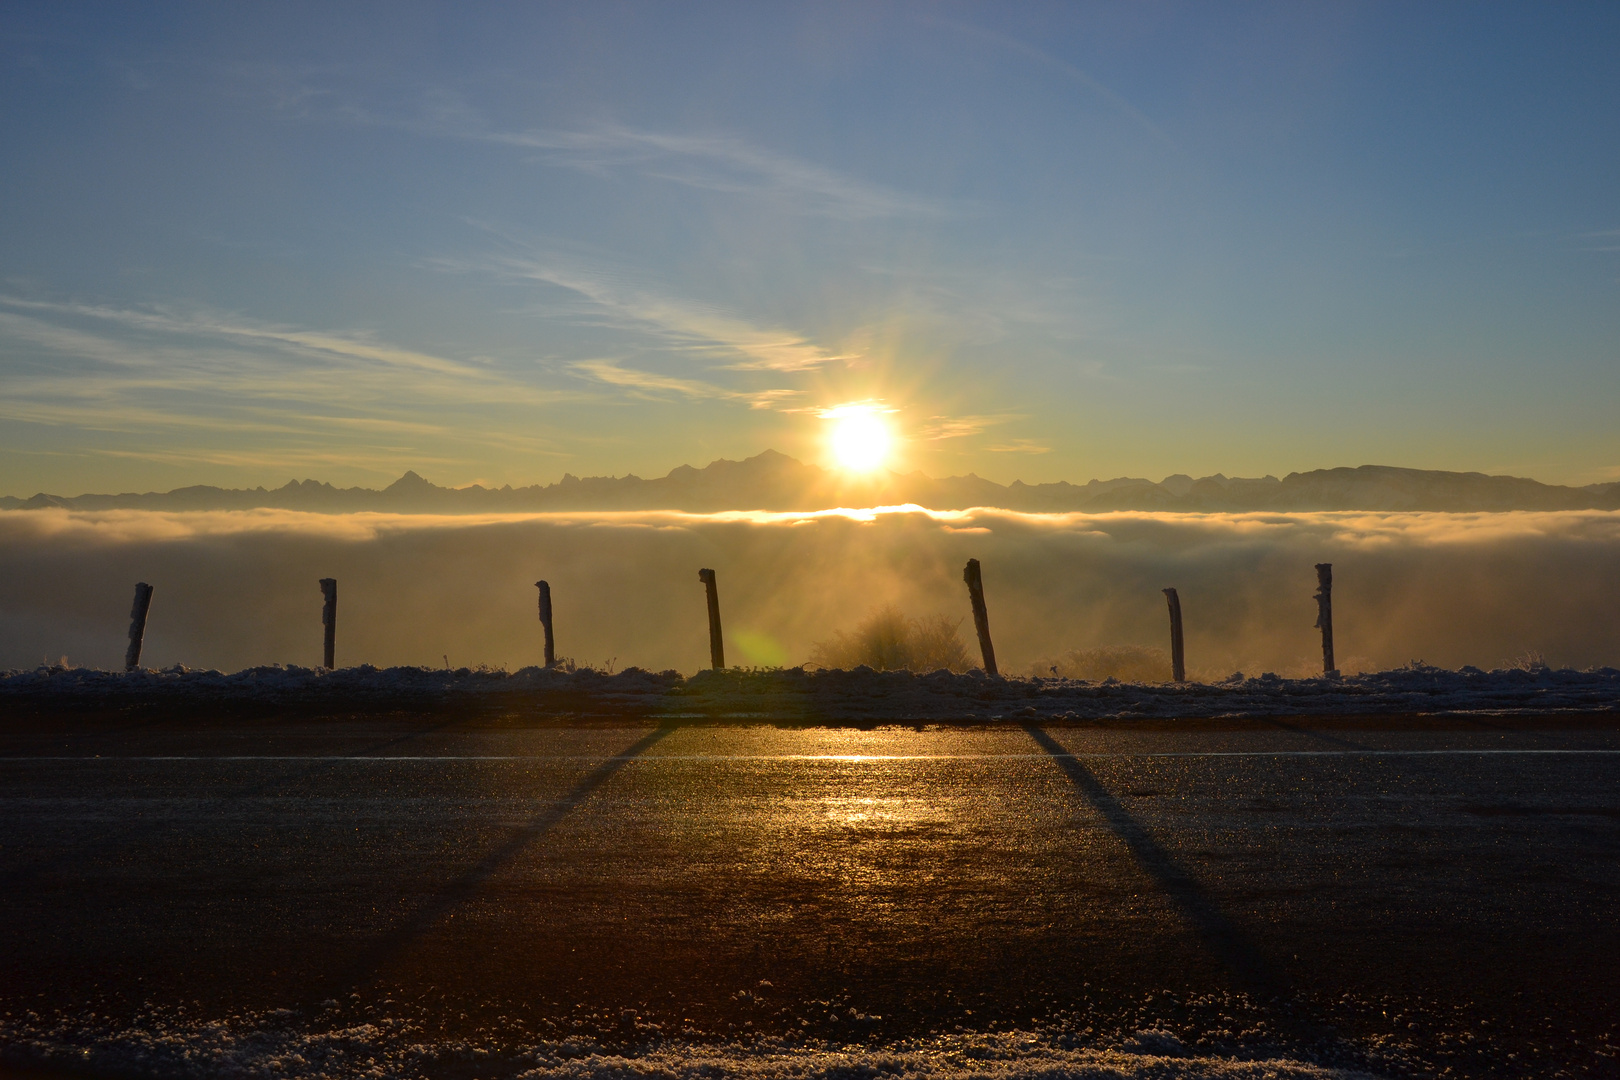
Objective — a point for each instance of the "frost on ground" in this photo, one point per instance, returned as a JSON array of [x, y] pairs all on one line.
[[800, 695], [284, 1044]]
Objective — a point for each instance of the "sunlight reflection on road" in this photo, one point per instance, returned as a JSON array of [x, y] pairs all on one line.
[[925, 878]]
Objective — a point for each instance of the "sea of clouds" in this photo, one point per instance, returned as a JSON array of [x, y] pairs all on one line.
[[239, 589]]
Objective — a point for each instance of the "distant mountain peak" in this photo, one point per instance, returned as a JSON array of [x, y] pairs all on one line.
[[410, 484], [772, 457]]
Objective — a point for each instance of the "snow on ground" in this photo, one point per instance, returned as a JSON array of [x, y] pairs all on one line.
[[796, 694], [283, 1044]]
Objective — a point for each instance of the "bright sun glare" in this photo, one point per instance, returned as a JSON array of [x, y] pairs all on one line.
[[860, 436]]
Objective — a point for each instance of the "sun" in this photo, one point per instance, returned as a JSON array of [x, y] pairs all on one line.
[[860, 436]]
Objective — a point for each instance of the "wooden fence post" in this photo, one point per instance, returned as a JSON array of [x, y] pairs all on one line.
[[137, 625], [1178, 654], [545, 621], [717, 646], [981, 617], [329, 620], [1324, 615]]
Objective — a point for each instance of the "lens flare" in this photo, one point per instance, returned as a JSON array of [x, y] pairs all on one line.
[[860, 436]]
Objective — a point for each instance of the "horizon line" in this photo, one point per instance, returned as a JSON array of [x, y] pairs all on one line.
[[841, 479]]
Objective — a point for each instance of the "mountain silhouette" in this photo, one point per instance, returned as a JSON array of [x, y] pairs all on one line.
[[774, 481]]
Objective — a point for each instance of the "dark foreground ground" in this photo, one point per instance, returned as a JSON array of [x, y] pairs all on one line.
[[485, 895]]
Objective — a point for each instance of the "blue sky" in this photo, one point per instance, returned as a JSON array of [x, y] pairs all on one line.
[[498, 243]]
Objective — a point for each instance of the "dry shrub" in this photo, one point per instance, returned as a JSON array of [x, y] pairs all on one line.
[[890, 641], [1127, 663]]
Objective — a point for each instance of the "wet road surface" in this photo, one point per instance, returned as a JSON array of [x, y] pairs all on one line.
[[1454, 885]]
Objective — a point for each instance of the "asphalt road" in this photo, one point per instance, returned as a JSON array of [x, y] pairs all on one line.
[[1455, 884]]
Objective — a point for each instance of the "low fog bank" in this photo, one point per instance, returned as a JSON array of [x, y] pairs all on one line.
[[239, 589]]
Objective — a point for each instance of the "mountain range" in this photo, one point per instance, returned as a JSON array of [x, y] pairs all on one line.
[[773, 481]]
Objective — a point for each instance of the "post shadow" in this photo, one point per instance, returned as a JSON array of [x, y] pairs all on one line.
[[1229, 945], [464, 887]]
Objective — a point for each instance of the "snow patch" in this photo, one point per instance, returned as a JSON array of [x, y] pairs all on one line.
[[799, 695], [281, 1044]]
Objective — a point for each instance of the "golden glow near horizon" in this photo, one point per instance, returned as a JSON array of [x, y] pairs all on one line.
[[861, 437]]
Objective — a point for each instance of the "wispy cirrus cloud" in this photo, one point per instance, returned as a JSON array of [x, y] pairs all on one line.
[[1045, 59], [938, 428], [712, 162], [651, 384], [201, 386], [350, 347], [716, 161], [690, 326], [1019, 446], [1602, 240]]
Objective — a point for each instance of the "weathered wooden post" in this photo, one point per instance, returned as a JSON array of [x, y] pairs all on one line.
[[1178, 654], [717, 645], [981, 617], [329, 620], [1324, 614], [137, 625], [545, 621]]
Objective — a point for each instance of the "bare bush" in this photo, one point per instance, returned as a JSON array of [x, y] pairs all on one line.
[[1126, 663], [888, 640]]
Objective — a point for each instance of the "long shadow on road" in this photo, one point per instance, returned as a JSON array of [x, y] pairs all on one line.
[[463, 888], [1229, 945]]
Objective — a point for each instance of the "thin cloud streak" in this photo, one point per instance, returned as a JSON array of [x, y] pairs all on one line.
[[255, 365], [726, 164], [1019, 446], [711, 162], [209, 389], [940, 428], [384, 462], [1046, 59], [714, 161], [684, 323], [349, 346], [654, 385]]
